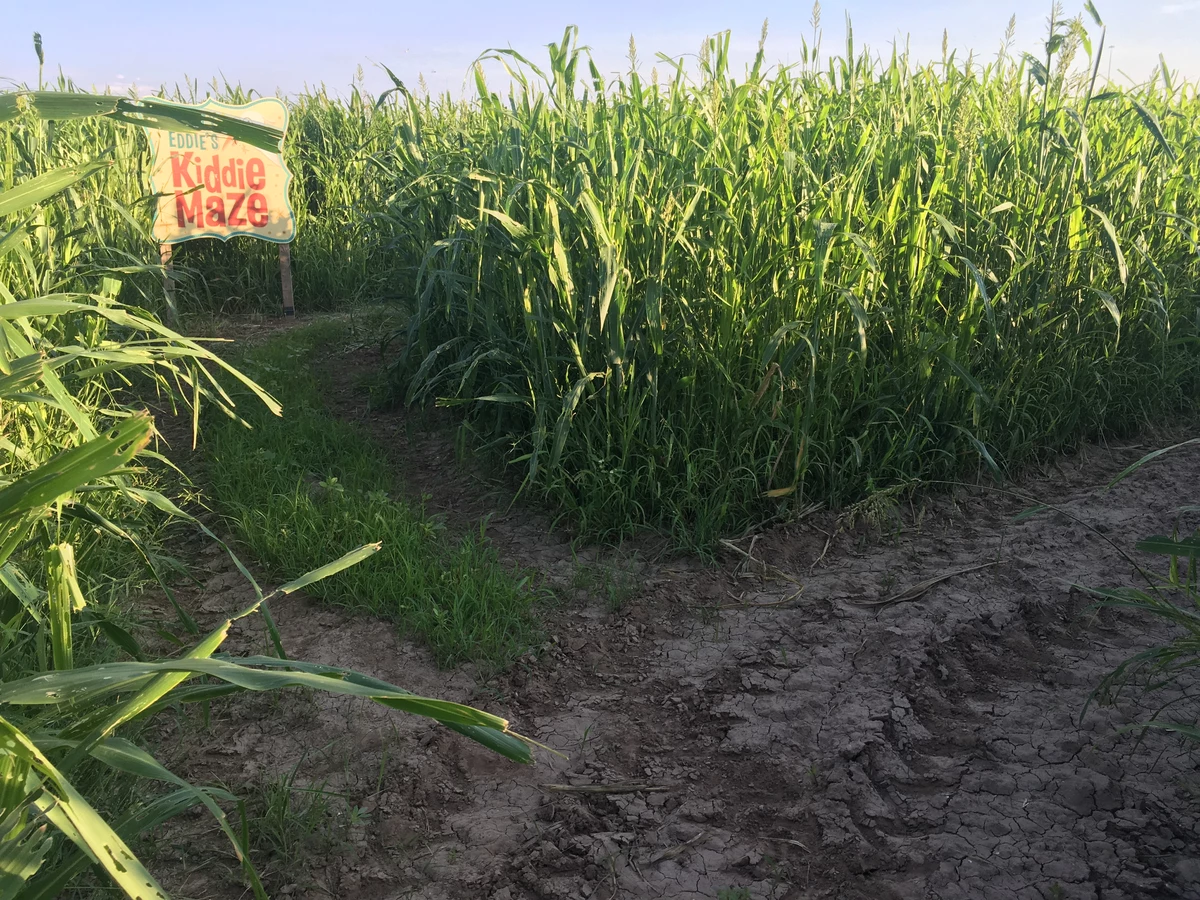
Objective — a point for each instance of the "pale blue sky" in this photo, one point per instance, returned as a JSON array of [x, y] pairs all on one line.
[[275, 45]]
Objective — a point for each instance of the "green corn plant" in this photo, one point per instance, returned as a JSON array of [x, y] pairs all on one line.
[[698, 301], [63, 599], [74, 454]]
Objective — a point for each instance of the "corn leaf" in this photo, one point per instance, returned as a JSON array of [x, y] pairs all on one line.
[[33, 191]]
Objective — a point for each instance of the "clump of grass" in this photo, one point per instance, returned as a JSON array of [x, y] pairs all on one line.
[[616, 584], [307, 486], [287, 823]]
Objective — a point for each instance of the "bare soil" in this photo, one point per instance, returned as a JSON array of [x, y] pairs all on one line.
[[751, 729]]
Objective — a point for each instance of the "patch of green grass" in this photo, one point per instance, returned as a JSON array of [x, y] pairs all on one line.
[[290, 823], [308, 487], [616, 585]]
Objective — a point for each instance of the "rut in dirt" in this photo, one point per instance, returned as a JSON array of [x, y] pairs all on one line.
[[743, 740]]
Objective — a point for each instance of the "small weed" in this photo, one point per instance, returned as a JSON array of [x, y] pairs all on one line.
[[880, 507], [383, 763], [615, 586], [586, 739], [619, 591], [585, 576], [734, 893], [288, 823]]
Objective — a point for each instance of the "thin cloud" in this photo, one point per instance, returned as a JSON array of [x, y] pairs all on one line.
[[125, 87]]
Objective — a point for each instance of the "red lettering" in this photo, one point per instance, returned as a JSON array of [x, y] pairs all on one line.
[[179, 174], [184, 214], [216, 211], [257, 209], [256, 174], [235, 216], [212, 175]]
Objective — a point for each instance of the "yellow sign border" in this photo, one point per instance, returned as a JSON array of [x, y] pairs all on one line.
[[231, 110]]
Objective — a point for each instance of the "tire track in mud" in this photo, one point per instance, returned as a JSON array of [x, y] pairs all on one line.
[[933, 749], [950, 760]]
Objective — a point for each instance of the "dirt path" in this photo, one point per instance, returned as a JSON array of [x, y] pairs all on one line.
[[755, 742]]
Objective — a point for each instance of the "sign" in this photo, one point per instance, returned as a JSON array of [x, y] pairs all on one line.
[[210, 185]]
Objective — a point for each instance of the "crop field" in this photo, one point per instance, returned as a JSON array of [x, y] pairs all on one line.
[[794, 466]]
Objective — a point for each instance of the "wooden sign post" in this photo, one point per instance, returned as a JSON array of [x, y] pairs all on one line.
[[210, 185], [285, 279]]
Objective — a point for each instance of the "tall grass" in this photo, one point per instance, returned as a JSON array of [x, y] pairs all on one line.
[[694, 301]]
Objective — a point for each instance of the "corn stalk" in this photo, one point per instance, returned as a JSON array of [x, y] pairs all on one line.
[[73, 453]]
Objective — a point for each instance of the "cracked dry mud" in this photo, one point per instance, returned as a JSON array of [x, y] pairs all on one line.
[[811, 748]]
